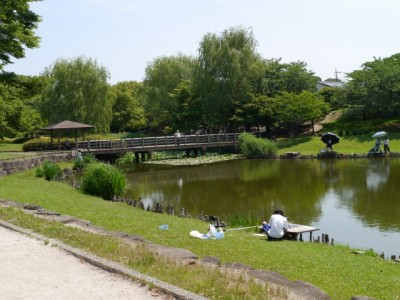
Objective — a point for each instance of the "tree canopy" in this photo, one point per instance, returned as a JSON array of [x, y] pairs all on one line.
[[17, 29], [164, 75], [128, 115], [78, 92], [224, 74], [374, 91], [18, 112]]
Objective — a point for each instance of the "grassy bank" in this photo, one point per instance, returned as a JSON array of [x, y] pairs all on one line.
[[334, 269], [348, 144]]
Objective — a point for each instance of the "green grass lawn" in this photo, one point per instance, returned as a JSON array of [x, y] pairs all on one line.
[[357, 144], [8, 147], [334, 269]]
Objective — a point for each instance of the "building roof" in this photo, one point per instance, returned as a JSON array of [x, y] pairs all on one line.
[[331, 83], [64, 125]]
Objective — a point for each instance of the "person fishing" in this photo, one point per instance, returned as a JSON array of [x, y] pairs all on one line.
[[277, 226]]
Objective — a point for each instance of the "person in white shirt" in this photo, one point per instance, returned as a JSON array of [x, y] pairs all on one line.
[[278, 225], [386, 145]]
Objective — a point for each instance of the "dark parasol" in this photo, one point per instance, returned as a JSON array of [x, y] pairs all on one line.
[[330, 136]]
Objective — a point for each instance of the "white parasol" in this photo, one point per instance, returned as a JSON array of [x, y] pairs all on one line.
[[379, 134]]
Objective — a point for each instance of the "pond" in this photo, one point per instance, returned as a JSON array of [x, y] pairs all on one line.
[[355, 201]]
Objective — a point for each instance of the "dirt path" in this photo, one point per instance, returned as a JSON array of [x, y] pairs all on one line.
[[29, 269]]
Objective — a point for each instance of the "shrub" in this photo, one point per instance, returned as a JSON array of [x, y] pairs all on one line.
[[251, 146], [103, 180], [83, 161], [126, 159], [49, 170], [39, 172]]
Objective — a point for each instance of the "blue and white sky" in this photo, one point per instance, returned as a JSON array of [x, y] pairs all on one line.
[[126, 35]]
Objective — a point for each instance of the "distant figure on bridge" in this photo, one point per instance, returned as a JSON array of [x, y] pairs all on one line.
[[177, 137]]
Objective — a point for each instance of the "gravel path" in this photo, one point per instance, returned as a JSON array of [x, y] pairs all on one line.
[[29, 269]]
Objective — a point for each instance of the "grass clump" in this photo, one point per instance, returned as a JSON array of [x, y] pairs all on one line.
[[49, 170], [103, 180], [253, 147]]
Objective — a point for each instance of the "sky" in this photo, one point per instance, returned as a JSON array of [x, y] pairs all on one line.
[[125, 36]]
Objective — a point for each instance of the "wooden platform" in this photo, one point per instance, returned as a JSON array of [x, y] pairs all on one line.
[[300, 229], [296, 230]]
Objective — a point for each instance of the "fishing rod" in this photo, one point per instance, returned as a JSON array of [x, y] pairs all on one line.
[[241, 228]]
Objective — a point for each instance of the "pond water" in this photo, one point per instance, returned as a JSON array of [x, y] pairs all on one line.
[[355, 201]]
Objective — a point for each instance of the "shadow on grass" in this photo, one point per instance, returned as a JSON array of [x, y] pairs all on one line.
[[287, 143]]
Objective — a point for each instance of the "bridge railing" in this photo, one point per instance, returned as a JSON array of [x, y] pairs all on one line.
[[158, 141]]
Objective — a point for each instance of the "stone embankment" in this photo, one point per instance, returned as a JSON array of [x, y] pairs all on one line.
[[8, 167]]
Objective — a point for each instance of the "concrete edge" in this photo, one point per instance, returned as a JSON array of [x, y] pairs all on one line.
[[108, 266]]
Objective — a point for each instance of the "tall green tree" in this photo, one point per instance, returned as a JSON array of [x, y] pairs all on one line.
[[127, 114], [259, 111], [162, 77], [227, 67], [374, 91], [18, 110], [78, 92], [291, 77], [189, 115], [294, 109], [17, 29]]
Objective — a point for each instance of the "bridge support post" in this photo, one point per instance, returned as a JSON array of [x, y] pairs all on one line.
[[203, 151], [187, 153], [149, 155], [143, 156], [137, 157]]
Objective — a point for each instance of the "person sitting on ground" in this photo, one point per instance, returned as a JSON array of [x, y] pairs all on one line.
[[277, 226], [329, 145], [378, 145]]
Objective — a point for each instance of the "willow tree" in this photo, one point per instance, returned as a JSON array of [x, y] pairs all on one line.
[[78, 92], [163, 76], [226, 69]]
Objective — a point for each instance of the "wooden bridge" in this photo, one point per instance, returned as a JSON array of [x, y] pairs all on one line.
[[147, 145]]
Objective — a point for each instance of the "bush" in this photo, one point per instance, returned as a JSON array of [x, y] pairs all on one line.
[[49, 170], [83, 161], [103, 180], [39, 172], [251, 146]]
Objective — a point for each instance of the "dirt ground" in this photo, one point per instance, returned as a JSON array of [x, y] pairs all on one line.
[[30, 269]]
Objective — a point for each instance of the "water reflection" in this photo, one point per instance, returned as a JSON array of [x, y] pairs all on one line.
[[377, 174], [349, 199]]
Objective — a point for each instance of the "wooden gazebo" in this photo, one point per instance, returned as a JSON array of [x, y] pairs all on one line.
[[66, 125]]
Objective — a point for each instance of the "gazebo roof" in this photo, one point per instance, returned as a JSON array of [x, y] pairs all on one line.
[[64, 125]]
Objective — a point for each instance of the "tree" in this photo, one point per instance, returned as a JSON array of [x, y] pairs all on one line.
[[189, 115], [164, 75], [258, 111], [294, 109], [78, 92], [226, 69], [289, 77], [128, 115], [17, 25], [374, 90], [18, 112]]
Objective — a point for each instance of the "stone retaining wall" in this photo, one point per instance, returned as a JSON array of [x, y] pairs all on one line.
[[8, 167]]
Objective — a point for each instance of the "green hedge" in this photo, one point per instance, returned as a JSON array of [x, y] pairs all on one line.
[[253, 147]]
